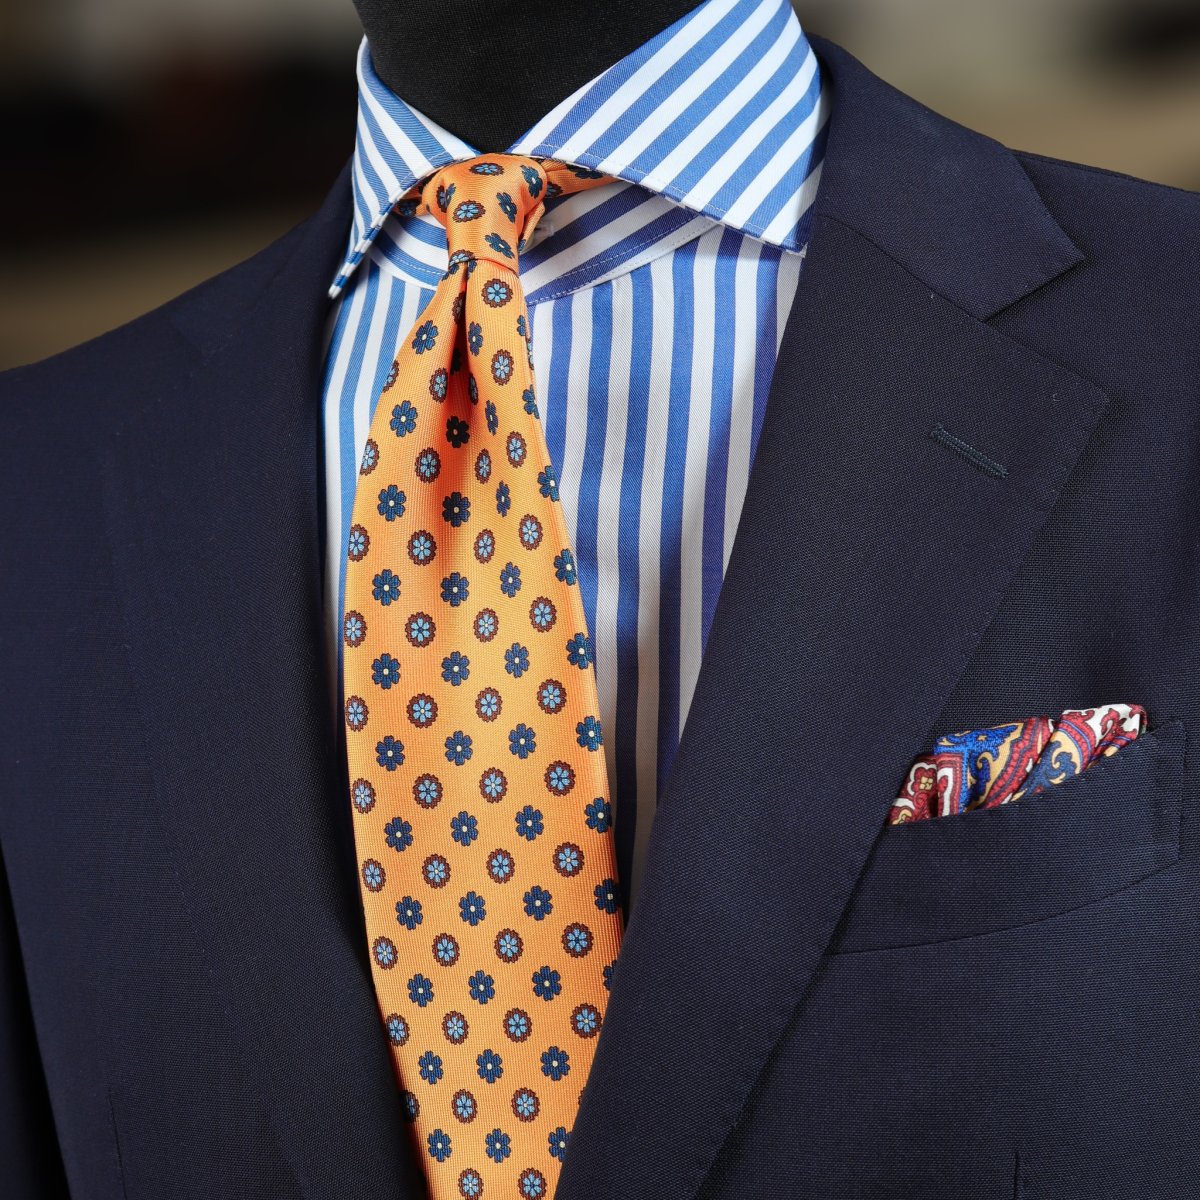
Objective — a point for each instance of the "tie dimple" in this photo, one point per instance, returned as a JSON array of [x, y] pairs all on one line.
[[481, 812]]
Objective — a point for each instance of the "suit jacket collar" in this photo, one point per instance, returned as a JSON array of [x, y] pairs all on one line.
[[868, 561]]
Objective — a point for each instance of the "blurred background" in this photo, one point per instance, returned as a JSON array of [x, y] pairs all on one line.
[[147, 144]]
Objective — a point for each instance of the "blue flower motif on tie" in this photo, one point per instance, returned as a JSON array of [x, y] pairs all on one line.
[[496, 293], [456, 668], [579, 651], [481, 987], [510, 580], [465, 1106], [425, 338], [564, 568], [470, 1184], [509, 946], [397, 1030], [468, 210], [384, 950], [422, 548], [436, 871], [445, 949], [498, 244], [456, 509], [454, 1026], [458, 432], [408, 913], [548, 483], [558, 1142], [493, 784], [533, 180], [419, 629], [486, 626], [389, 753], [420, 990], [490, 1066], [356, 712], [386, 587], [560, 778], [439, 1145], [385, 670], [404, 419], [525, 1104], [429, 465], [522, 741], [507, 205], [538, 903], [599, 815], [492, 415], [547, 983], [500, 865], [606, 896], [472, 908], [542, 614], [398, 833], [456, 589], [458, 747], [529, 823], [499, 1145], [568, 859], [516, 660], [555, 1063], [502, 366], [464, 828], [532, 1184], [589, 733], [427, 791], [474, 337], [363, 796], [517, 1025], [585, 1019], [577, 940], [503, 499], [551, 696], [391, 502], [530, 399], [431, 1067]]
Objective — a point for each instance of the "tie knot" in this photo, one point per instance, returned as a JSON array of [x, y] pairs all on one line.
[[490, 204]]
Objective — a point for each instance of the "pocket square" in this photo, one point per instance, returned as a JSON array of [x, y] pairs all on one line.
[[984, 768]]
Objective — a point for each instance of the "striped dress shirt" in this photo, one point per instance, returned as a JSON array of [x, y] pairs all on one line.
[[657, 304]]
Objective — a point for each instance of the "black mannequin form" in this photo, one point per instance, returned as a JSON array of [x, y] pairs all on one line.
[[486, 70]]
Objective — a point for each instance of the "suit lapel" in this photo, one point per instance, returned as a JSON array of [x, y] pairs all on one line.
[[216, 531], [869, 559]]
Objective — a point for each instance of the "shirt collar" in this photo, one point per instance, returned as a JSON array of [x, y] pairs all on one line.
[[721, 113]]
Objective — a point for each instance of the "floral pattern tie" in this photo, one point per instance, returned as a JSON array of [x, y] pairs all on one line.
[[984, 768], [478, 786]]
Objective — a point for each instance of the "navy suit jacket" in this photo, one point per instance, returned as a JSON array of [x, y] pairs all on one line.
[[1003, 1004]]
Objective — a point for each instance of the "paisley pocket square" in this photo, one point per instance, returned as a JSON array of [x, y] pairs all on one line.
[[984, 768]]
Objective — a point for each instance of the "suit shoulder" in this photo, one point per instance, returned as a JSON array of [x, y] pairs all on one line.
[[83, 383], [1106, 201]]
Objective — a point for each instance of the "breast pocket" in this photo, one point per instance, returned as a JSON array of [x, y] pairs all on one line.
[[997, 868]]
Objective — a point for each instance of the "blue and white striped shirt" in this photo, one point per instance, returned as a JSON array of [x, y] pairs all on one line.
[[657, 304]]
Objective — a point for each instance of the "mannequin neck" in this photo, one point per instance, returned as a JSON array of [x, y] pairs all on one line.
[[487, 70]]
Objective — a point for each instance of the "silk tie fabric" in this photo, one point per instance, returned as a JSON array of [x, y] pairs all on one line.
[[478, 786], [984, 768]]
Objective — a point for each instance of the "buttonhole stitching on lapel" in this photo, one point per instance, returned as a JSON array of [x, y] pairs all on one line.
[[989, 466]]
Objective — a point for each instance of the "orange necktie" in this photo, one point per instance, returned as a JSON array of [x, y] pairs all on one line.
[[481, 811]]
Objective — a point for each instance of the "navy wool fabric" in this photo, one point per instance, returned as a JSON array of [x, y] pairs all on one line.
[[807, 1005]]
